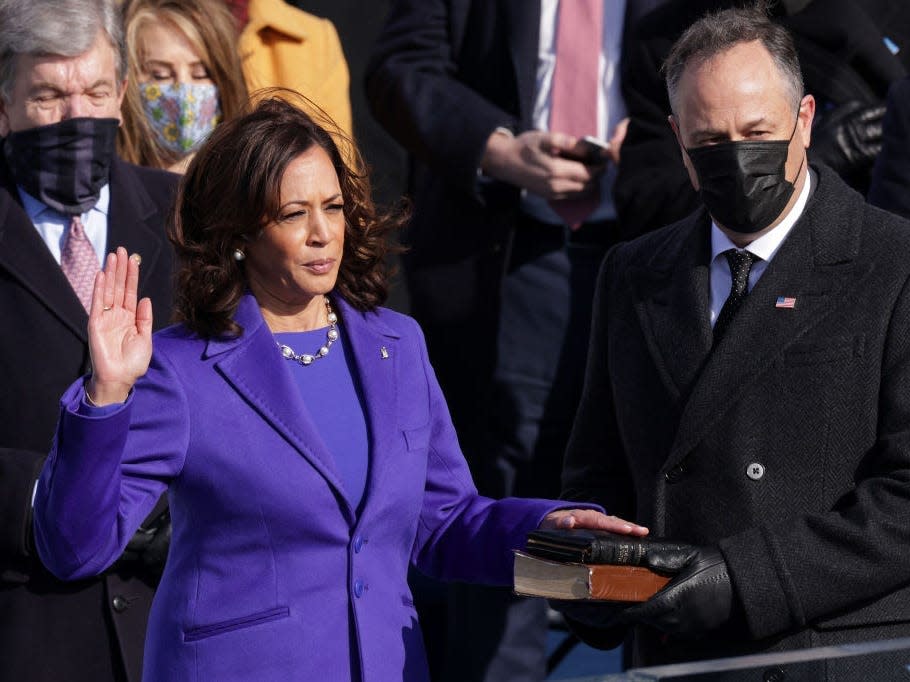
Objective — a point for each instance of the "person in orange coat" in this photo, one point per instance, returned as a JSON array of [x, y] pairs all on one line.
[[283, 46]]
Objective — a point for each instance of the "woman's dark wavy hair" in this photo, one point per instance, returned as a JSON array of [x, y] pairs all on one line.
[[230, 192]]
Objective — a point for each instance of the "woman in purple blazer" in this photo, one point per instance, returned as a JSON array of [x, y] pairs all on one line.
[[298, 428]]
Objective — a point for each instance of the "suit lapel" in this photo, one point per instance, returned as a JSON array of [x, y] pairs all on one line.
[[135, 221], [375, 350], [814, 265], [26, 257], [256, 370], [671, 300]]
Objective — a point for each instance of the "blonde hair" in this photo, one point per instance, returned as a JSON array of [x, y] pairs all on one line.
[[209, 27]]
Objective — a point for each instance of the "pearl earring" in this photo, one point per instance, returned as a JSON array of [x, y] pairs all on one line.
[[239, 255]]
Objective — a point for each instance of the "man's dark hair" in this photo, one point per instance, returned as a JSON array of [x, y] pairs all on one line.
[[719, 31]]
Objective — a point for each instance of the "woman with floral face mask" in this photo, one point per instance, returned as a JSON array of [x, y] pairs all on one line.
[[184, 78]]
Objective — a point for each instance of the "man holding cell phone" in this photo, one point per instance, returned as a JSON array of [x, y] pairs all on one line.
[[513, 213]]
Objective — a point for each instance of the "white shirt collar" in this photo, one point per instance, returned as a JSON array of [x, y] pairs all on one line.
[[35, 207]]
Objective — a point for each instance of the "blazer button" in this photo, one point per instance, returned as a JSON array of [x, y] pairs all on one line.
[[675, 474], [120, 604], [359, 588], [755, 471], [358, 544]]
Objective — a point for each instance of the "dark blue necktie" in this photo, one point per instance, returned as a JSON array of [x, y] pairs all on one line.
[[740, 265]]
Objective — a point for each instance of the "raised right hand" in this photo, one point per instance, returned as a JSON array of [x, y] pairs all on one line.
[[119, 330], [532, 161]]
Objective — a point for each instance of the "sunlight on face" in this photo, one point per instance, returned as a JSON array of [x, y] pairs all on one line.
[[296, 258], [49, 89], [740, 94]]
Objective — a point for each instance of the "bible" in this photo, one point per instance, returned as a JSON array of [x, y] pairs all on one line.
[[583, 564]]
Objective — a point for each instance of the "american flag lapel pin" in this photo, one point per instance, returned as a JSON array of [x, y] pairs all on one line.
[[785, 302], [383, 353]]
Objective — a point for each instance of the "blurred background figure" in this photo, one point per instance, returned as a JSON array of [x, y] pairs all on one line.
[[850, 50], [890, 188], [65, 198], [359, 24], [282, 46], [185, 77], [509, 228]]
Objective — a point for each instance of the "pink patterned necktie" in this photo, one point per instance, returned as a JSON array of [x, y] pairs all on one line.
[[573, 100], [79, 261]]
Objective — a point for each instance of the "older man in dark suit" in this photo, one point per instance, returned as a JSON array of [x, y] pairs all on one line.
[[65, 200], [748, 384]]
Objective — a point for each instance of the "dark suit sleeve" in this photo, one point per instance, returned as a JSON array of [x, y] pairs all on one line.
[[890, 188], [847, 566], [652, 187], [19, 471], [414, 92]]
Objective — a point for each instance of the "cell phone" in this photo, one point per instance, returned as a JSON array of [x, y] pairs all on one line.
[[589, 150]]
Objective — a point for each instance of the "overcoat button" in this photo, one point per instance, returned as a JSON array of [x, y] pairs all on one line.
[[755, 471], [675, 474], [120, 604]]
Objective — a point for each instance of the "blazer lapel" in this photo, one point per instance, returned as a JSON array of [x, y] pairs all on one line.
[[375, 350], [814, 265], [256, 370], [26, 257], [671, 300], [134, 221]]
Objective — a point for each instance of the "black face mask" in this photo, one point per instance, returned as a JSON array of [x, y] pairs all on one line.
[[744, 184], [64, 164]]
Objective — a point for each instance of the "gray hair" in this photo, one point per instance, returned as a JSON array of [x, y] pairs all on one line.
[[55, 27], [718, 32]]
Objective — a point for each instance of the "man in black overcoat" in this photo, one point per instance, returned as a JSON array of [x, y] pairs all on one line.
[[62, 66], [748, 382]]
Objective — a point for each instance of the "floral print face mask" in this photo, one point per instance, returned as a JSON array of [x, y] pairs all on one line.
[[181, 114]]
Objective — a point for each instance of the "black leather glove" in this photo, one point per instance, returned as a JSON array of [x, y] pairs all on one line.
[[149, 544], [698, 600], [155, 553], [849, 137]]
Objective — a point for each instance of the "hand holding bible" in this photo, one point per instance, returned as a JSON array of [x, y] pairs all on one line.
[[698, 600]]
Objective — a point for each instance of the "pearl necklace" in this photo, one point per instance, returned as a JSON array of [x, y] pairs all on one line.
[[330, 337]]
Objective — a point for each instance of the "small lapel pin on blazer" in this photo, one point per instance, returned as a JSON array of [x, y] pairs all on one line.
[[785, 302], [383, 353]]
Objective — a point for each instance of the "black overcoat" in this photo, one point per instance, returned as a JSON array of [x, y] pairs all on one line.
[[788, 445]]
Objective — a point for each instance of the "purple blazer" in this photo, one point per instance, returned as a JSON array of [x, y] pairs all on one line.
[[271, 575]]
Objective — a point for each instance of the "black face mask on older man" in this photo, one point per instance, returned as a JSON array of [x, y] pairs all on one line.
[[65, 164], [744, 184]]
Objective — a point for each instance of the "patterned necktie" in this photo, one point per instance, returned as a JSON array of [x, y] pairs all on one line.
[[740, 265], [573, 97], [79, 261]]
